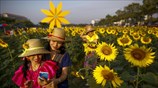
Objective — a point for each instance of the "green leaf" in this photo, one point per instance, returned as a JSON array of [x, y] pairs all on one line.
[[150, 78]]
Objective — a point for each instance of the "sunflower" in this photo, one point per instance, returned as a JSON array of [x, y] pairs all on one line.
[[139, 56], [88, 49], [101, 30], [55, 16], [156, 34], [3, 44], [108, 30], [125, 31], [106, 51], [136, 36], [25, 46], [150, 31], [104, 74], [145, 40], [113, 31], [124, 40]]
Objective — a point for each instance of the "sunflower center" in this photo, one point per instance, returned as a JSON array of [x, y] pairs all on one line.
[[146, 39], [136, 36], [106, 50], [2, 43], [138, 54], [107, 75], [124, 40]]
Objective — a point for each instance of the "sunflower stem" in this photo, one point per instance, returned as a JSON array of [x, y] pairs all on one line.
[[10, 56], [109, 63], [110, 85], [137, 79], [10, 53]]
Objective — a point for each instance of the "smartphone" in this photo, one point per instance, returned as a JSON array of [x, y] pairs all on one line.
[[43, 75]]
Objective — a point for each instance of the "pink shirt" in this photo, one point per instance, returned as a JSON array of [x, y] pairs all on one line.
[[47, 66]]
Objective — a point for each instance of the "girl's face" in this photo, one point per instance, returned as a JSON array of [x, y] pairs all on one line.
[[35, 58], [91, 33], [55, 45]]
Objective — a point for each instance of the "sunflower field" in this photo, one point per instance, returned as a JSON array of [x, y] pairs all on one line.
[[127, 57]]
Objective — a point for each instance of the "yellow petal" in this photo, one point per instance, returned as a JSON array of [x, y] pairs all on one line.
[[59, 7], [64, 13], [51, 26], [58, 23], [103, 83], [63, 20], [46, 19], [52, 7], [46, 12]]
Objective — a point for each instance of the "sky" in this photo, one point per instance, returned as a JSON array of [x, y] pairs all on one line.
[[81, 11]]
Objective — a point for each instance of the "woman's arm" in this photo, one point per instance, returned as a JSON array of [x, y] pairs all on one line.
[[63, 76], [55, 81]]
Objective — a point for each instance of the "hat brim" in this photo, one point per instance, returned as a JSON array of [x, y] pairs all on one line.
[[34, 52], [90, 31], [56, 39]]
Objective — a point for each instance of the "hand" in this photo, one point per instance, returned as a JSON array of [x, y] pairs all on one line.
[[51, 84], [42, 81], [28, 84]]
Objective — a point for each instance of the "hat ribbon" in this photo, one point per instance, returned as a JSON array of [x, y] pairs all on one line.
[[31, 49], [49, 35]]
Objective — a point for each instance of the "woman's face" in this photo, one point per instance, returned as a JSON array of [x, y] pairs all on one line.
[[35, 58], [91, 33], [55, 45]]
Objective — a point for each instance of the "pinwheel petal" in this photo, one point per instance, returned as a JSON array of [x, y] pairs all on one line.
[[58, 23], [64, 13], [46, 12], [51, 26], [46, 19], [52, 7], [63, 20], [59, 7]]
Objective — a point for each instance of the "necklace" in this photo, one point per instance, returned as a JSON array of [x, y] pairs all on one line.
[[34, 68], [34, 72]]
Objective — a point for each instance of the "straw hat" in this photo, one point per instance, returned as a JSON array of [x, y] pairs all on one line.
[[89, 29], [58, 35], [33, 47]]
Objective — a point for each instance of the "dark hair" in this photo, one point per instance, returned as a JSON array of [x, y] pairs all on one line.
[[61, 49], [26, 65]]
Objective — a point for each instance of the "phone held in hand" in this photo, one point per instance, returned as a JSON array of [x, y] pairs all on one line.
[[43, 75]]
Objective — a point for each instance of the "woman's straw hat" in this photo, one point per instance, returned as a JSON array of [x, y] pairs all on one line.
[[33, 47], [58, 35], [89, 29]]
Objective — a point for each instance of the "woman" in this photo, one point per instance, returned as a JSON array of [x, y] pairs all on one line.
[[58, 54], [28, 74]]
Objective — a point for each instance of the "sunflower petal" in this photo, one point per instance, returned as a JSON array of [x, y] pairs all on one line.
[[104, 82]]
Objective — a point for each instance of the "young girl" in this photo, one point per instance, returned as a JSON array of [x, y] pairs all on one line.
[[90, 39], [29, 74]]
